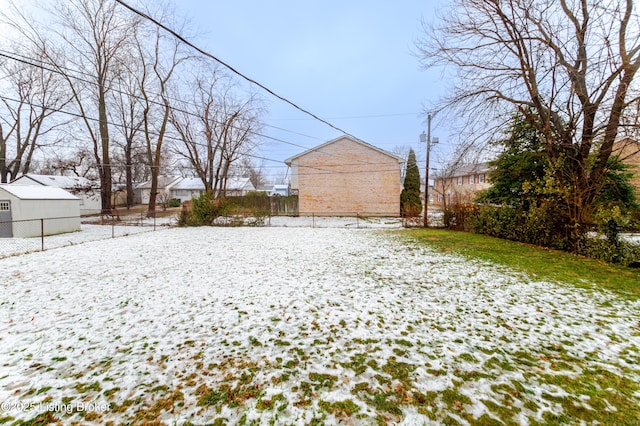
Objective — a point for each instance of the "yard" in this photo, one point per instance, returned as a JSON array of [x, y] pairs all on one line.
[[304, 326]]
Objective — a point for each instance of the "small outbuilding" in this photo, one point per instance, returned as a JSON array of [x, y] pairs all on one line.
[[86, 190], [28, 210]]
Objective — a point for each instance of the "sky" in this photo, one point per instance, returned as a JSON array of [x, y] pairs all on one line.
[[351, 63]]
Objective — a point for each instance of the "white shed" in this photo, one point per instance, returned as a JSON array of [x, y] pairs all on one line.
[[27, 210], [86, 190]]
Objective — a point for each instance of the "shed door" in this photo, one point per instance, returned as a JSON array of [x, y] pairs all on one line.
[[6, 230]]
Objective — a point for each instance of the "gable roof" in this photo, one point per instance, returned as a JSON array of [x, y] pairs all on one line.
[[66, 182], [351, 138], [189, 183], [164, 182], [233, 184], [38, 192], [239, 183], [470, 169]]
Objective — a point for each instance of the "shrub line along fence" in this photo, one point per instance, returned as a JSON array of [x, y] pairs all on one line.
[[111, 226]]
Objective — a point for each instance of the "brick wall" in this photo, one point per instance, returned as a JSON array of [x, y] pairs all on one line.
[[345, 177]]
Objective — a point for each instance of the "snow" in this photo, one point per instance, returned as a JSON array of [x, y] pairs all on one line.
[[299, 318], [38, 192], [65, 182]]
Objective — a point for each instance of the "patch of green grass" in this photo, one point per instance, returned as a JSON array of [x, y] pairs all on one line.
[[323, 380], [340, 409], [277, 402], [86, 387], [537, 262], [398, 370], [5, 419], [600, 389], [357, 364]]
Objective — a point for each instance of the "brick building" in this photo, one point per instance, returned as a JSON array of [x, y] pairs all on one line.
[[460, 185], [346, 176], [628, 150]]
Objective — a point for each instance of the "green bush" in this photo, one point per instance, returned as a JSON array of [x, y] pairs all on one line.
[[174, 202], [205, 210], [537, 226], [601, 248], [540, 226]]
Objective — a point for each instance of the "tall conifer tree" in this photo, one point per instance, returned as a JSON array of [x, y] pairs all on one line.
[[410, 202]]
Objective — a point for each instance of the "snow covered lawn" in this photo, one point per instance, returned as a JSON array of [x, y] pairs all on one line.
[[300, 326]]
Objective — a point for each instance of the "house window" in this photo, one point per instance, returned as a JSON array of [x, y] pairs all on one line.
[[481, 178], [4, 206], [439, 198], [459, 180]]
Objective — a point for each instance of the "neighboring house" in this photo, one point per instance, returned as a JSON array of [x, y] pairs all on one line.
[[23, 206], [628, 150], [187, 188], [346, 176], [165, 183], [238, 186], [86, 190], [274, 190], [280, 190], [460, 184]]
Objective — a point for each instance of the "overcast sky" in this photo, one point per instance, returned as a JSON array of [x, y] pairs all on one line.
[[349, 62]]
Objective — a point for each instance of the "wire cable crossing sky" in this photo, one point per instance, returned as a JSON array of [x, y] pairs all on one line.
[[232, 69]]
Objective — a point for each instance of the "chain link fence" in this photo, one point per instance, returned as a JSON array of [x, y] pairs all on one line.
[[24, 236], [354, 220]]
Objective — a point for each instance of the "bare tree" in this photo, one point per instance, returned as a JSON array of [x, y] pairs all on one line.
[[218, 130], [158, 69], [195, 123], [94, 33], [239, 119], [255, 172], [127, 112], [569, 67], [78, 163], [32, 95], [83, 41]]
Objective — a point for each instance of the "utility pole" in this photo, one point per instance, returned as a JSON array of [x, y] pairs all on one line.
[[427, 138]]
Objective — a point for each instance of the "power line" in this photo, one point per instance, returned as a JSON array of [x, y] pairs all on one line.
[[229, 67], [58, 70], [354, 117], [321, 170]]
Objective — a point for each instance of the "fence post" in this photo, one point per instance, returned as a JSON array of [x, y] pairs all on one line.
[[113, 228], [42, 234], [357, 220], [313, 220], [154, 220]]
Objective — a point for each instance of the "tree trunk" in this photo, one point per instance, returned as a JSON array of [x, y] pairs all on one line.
[[129, 175], [105, 175]]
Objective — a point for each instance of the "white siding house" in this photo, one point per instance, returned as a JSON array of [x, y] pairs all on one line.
[[239, 186], [26, 209], [187, 188], [165, 183], [86, 190]]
